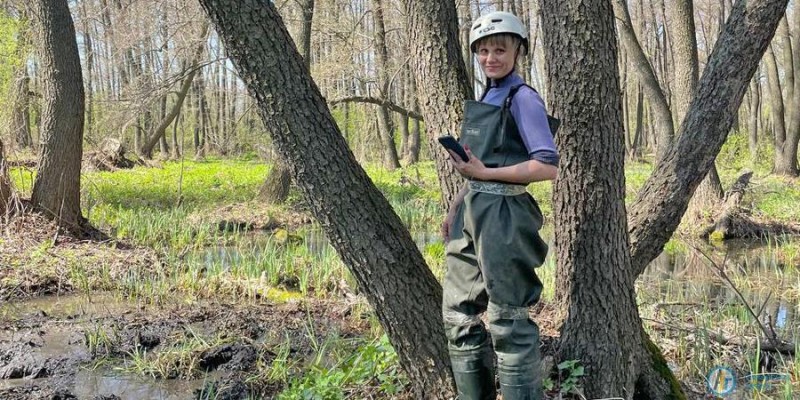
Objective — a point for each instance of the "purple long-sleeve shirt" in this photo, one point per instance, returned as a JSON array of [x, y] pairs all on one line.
[[530, 114]]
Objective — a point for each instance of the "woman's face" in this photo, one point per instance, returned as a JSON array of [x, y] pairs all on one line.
[[496, 58]]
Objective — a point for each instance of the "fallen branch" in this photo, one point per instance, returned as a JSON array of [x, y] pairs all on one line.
[[720, 338]]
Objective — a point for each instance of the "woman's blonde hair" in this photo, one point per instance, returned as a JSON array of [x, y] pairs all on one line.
[[509, 41]]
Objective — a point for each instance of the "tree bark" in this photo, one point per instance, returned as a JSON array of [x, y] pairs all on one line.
[[591, 242], [56, 188], [441, 79], [369, 237], [277, 185], [644, 71], [663, 199]]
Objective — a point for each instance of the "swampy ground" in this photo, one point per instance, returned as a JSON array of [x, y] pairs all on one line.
[[202, 292]]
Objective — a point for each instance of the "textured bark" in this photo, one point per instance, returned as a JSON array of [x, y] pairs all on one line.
[[390, 159], [684, 47], [663, 199], [275, 189], [277, 185], [647, 77], [360, 223], [442, 83], [56, 188], [591, 240], [681, 22]]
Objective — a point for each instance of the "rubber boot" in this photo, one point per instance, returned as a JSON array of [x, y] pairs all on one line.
[[474, 373], [520, 383]]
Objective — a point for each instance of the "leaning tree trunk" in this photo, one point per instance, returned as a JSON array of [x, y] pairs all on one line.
[[160, 130], [663, 199], [56, 189], [361, 225], [277, 185], [441, 79], [647, 77], [591, 240]]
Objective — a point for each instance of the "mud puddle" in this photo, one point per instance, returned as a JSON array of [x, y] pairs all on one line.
[[107, 347]]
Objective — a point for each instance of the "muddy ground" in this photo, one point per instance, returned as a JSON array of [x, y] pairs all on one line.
[[52, 348], [67, 332]]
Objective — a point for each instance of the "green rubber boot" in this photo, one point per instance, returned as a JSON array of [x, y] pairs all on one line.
[[520, 383], [474, 373]]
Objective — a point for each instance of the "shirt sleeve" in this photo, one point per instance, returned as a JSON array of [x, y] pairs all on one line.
[[529, 112]]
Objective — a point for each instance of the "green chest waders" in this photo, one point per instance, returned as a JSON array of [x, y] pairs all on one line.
[[491, 256]]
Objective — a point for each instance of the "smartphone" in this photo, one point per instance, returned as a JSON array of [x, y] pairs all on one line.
[[451, 143]]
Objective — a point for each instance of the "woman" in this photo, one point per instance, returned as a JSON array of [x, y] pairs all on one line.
[[491, 229]]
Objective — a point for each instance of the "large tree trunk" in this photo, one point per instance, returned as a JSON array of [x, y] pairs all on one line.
[[360, 223], [277, 185], [591, 240], [441, 78], [647, 77], [663, 199], [56, 189]]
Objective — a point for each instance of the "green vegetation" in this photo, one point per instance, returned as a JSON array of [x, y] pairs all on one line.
[[215, 241]]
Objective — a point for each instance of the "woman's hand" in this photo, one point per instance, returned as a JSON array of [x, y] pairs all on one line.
[[448, 222], [472, 169]]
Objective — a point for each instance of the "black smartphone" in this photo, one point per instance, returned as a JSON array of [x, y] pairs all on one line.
[[451, 143]]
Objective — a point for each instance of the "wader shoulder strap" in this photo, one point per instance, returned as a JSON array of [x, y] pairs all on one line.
[[552, 121]]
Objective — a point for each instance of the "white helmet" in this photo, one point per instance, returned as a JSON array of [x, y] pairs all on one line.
[[497, 22]]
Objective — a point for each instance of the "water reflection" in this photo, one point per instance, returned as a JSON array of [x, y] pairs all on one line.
[[691, 276]]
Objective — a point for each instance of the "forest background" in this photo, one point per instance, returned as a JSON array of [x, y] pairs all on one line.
[[162, 96]]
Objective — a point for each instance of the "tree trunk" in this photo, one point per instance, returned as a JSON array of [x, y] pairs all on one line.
[[277, 185], [644, 71], [390, 159], [369, 237], [591, 231], [89, 54], [785, 162], [663, 199], [5, 184], [441, 79], [20, 112], [56, 188], [160, 130], [755, 111]]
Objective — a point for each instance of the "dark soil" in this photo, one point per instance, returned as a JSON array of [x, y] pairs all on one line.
[[47, 348]]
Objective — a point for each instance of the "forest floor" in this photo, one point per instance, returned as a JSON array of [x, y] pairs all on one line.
[[162, 310]]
